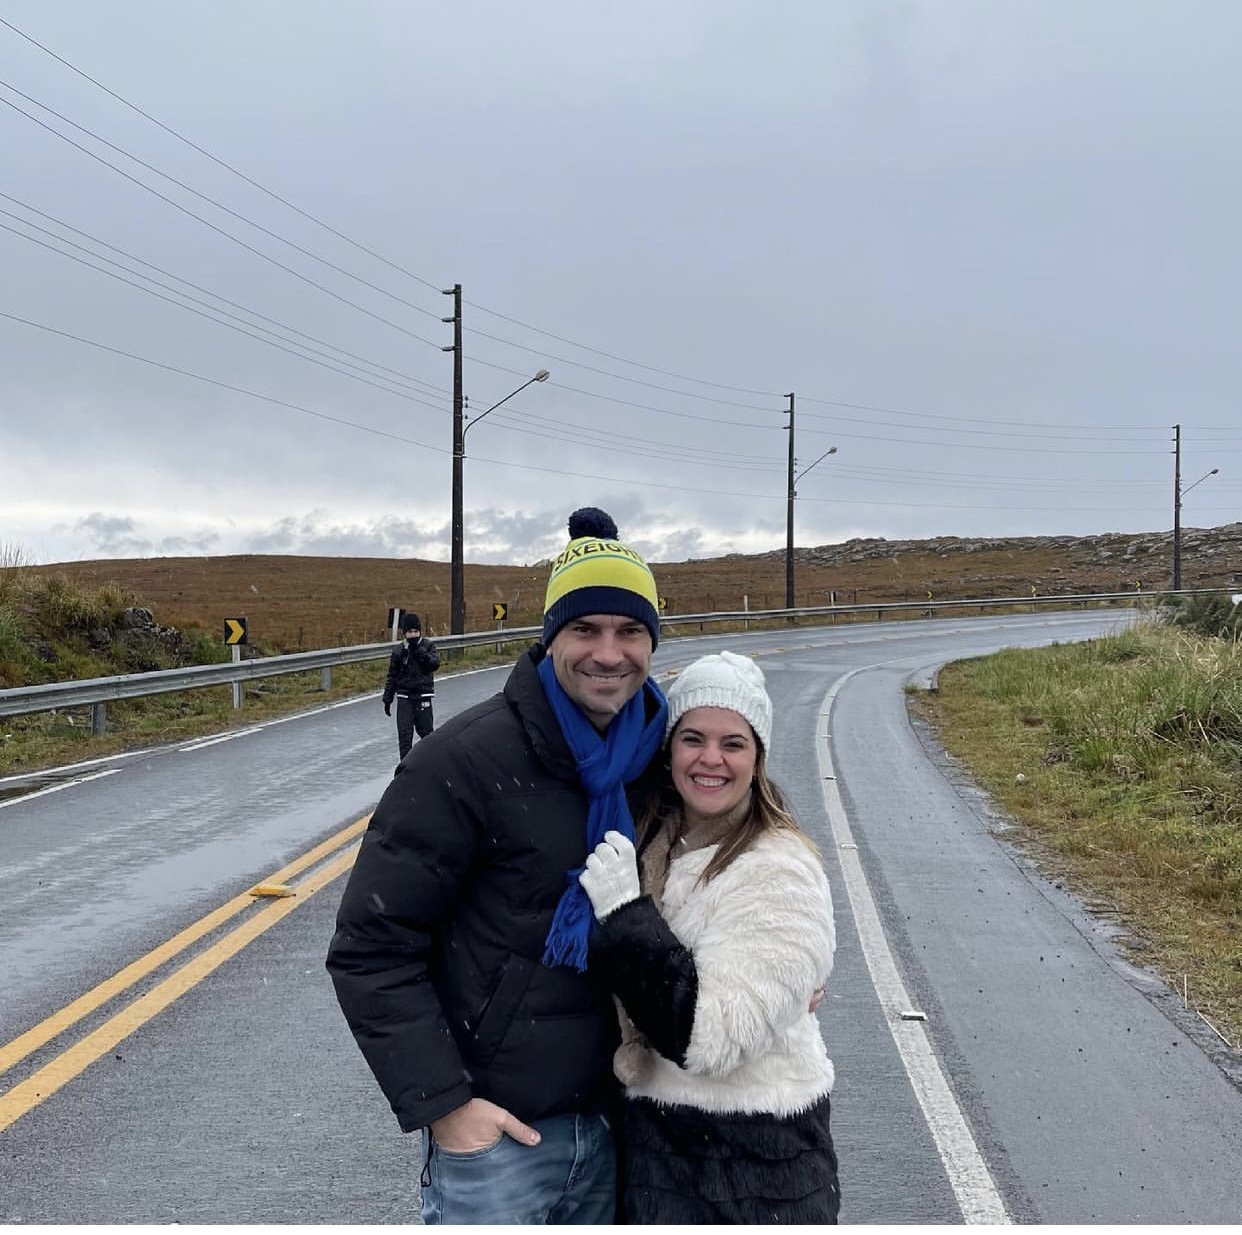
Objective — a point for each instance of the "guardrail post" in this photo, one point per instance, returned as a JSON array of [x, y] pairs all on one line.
[[325, 678], [236, 686], [99, 719]]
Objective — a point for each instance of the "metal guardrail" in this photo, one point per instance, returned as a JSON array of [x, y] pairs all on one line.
[[98, 692]]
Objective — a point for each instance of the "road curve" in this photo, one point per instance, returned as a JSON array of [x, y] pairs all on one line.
[[1003, 1064]]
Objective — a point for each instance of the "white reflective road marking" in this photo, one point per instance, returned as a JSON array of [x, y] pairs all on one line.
[[968, 1173], [69, 784]]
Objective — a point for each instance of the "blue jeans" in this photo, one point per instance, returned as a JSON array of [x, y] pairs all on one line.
[[569, 1178]]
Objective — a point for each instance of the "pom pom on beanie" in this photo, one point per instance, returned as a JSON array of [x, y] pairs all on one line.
[[598, 573], [722, 680], [591, 521]]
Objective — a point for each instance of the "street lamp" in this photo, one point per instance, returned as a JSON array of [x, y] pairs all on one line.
[[1178, 494], [789, 506], [457, 589]]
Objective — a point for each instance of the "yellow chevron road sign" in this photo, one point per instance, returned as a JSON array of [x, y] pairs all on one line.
[[234, 631]]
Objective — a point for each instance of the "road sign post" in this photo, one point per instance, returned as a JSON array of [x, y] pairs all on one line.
[[235, 635], [500, 611]]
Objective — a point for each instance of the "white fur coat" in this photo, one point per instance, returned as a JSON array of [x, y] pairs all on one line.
[[762, 937]]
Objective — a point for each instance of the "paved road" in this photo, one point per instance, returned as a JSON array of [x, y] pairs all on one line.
[[1047, 1081]]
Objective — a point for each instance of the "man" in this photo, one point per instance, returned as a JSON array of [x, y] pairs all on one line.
[[410, 681], [460, 951]]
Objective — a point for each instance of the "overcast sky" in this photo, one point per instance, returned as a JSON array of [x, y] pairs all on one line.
[[993, 246]]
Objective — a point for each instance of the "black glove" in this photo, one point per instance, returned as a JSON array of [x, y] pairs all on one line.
[[387, 707]]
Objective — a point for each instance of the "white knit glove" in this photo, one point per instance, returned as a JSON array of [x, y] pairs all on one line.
[[611, 875]]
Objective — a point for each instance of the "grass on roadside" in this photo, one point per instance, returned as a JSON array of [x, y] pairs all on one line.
[[1120, 761]]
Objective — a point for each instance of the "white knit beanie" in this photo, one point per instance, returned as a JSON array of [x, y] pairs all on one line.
[[722, 680]]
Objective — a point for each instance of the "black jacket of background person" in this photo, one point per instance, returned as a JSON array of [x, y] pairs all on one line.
[[436, 956], [410, 670]]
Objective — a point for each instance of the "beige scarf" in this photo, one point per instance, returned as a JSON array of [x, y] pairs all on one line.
[[676, 836]]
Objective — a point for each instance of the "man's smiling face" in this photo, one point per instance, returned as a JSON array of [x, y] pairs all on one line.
[[601, 662]]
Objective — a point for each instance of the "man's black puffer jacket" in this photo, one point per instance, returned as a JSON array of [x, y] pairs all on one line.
[[436, 956]]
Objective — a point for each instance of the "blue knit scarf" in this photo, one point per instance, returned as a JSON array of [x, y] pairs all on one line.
[[606, 763]]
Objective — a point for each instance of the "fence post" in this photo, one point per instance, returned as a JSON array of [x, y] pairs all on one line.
[[99, 719], [325, 678]]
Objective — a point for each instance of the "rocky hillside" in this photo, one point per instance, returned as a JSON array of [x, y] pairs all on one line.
[[1220, 546], [1211, 557], [307, 602]]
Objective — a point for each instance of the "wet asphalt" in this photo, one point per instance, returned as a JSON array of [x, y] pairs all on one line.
[[1089, 1095]]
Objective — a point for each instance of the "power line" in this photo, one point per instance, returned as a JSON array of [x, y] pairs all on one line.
[[218, 161], [638, 364], [199, 377], [267, 257], [975, 479], [349, 239], [284, 240], [627, 481], [559, 359], [896, 411], [686, 455], [313, 283], [598, 436], [636, 381], [409, 304], [433, 286], [133, 257], [1041, 450], [274, 342]]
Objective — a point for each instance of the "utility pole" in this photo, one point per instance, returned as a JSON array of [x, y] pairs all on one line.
[[1177, 508], [1178, 494], [789, 514], [457, 589]]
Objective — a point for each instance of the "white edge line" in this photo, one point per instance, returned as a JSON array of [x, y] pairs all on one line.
[[255, 728], [224, 737], [973, 1186], [73, 767], [69, 784]]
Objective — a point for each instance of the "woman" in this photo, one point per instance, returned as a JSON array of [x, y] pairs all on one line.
[[715, 942]]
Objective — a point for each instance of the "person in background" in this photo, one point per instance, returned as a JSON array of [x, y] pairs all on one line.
[[410, 682], [716, 936], [461, 944]]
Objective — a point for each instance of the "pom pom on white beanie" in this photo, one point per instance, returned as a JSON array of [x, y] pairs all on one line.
[[722, 680]]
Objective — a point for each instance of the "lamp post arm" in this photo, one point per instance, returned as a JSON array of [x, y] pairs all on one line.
[[541, 376], [832, 450], [1201, 479], [475, 420]]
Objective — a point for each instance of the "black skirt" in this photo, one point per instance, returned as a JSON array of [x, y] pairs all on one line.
[[682, 1165]]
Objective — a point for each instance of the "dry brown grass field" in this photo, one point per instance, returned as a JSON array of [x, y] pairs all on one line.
[[294, 602]]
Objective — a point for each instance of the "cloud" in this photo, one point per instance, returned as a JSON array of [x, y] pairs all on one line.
[[929, 223], [120, 536]]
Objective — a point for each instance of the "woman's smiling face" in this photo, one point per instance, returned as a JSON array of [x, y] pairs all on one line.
[[713, 753]]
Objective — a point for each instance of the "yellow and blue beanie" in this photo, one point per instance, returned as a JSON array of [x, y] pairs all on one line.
[[597, 573]]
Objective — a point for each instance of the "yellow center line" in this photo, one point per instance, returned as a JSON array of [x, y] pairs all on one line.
[[123, 979], [76, 1059]]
